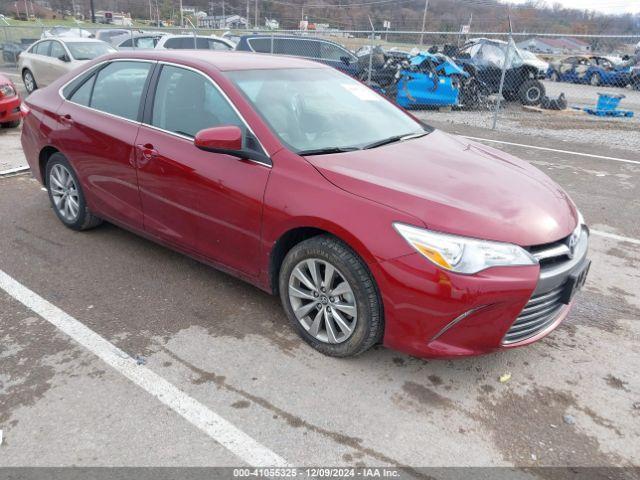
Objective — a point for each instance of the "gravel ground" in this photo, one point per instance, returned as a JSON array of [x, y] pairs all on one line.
[[622, 133]]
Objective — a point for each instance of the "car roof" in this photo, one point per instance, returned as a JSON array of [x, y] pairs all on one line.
[[223, 61], [288, 37], [75, 39]]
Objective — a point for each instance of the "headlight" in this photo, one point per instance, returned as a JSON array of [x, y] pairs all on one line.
[[7, 91], [463, 254]]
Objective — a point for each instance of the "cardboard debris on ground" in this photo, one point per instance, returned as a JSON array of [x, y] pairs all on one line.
[[566, 111]]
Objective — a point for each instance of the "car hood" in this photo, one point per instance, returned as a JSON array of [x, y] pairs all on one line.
[[457, 186]]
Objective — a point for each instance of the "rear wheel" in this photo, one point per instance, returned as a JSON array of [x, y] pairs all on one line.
[[29, 81], [330, 297], [66, 196], [510, 96], [531, 92]]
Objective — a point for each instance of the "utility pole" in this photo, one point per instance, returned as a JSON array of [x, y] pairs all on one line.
[[181, 17], [248, 14], [424, 20], [255, 15]]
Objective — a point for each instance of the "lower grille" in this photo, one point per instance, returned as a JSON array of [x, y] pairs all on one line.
[[539, 312]]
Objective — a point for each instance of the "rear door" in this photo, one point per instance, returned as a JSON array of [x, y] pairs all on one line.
[[56, 66], [208, 203], [40, 62], [98, 125]]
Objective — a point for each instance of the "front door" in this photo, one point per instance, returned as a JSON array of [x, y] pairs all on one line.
[[205, 202]]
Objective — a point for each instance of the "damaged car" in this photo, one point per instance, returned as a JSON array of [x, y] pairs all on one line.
[[590, 70], [484, 59]]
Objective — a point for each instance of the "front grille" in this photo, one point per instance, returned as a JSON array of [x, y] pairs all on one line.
[[540, 311], [551, 253]]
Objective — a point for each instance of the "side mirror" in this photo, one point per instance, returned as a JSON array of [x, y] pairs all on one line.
[[63, 58], [346, 60], [227, 139]]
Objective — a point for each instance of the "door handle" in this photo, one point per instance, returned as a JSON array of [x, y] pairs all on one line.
[[66, 119], [147, 151]]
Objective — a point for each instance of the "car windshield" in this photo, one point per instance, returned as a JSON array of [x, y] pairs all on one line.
[[88, 50], [313, 110]]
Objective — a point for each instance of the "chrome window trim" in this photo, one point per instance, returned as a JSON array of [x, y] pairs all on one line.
[[135, 122]]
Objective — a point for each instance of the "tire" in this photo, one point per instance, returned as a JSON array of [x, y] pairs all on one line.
[[510, 96], [14, 124], [29, 81], [531, 92], [554, 77], [635, 84], [366, 320], [77, 215], [595, 80]]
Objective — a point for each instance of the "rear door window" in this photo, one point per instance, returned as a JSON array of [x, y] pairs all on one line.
[[182, 43], [260, 45], [82, 96], [298, 48], [118, 88]]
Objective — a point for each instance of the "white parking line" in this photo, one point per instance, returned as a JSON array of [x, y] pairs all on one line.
[[568, 152], [613, 236], [216, 427], [14, 170]]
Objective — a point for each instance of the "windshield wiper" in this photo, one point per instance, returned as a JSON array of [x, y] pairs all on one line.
[[395, 138], [327, 150]]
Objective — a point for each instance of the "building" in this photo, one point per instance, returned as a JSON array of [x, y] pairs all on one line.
[[222, 22], [114, 18], [555, 45]]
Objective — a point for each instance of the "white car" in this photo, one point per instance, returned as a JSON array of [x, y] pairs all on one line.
[[532, 59], [138, 41], [48, 59], [194, 42]]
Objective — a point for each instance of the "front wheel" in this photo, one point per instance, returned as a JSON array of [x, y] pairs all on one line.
[[595, 80], [531, 92], [330, 297], [66, 196]]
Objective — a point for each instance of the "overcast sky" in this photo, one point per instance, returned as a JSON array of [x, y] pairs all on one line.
[[605, 6]]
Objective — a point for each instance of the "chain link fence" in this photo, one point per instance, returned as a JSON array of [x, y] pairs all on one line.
[[560, 86]]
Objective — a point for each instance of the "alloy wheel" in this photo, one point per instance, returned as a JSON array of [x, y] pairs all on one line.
[[29, 81], [322, 301], [64, 193]]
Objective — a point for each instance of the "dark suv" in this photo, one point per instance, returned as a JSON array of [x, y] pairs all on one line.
[[325, 51]]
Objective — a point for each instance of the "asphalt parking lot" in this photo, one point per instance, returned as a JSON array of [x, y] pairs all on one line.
[[211, 348]]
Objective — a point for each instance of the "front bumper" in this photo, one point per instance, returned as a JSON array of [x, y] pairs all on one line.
[[9, 109], [433, 313]]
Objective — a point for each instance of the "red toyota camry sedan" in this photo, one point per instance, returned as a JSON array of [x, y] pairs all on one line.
[[370, 226]]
